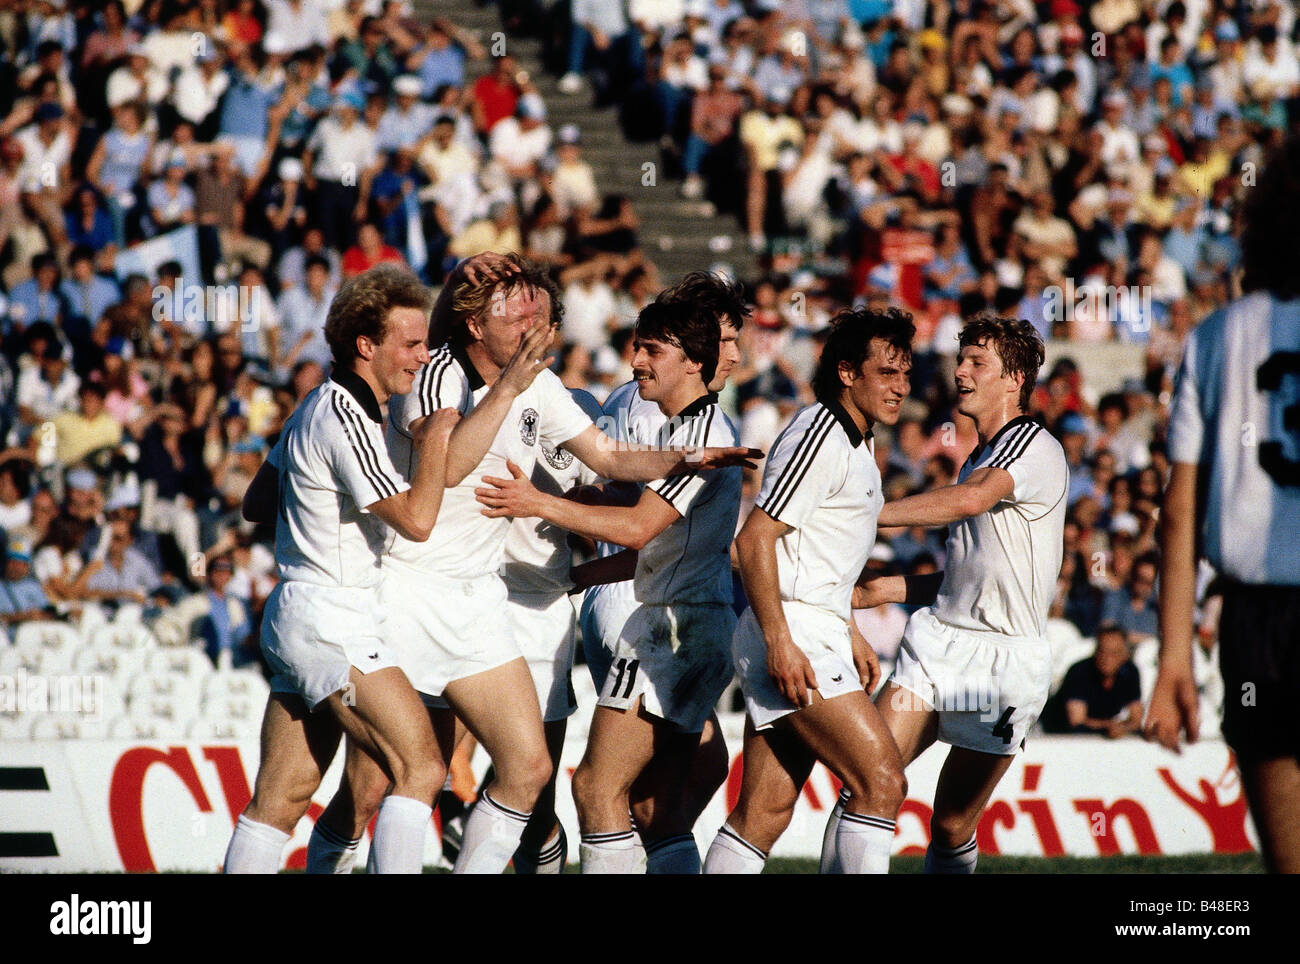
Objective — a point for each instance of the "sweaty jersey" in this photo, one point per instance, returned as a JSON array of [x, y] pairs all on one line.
[[1002, 564], [821, 479], [1236, 413], [690, 561], [332, 463], [465, 543]]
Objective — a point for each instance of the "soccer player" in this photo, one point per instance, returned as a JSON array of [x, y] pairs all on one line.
[[805, 676], [974, 667], [606, 606], [536, 569], [1234, 494], [333, 493], [671, 662], [446, 600]]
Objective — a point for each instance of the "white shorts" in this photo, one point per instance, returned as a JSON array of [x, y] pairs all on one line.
[[989, 689], [443, 629], [544, 632], [823, 638], [605, 611], [313, 635], [676, 659]]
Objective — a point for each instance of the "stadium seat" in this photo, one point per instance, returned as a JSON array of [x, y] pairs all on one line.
[[67, 726], [232, 730], [122, 637], [148, 685], [120, 664], [56, 641], [14, 727], [145, 728], [235, 684], [185, 661]]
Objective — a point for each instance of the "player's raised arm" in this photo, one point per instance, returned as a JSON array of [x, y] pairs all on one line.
[[1174, 707], [787, 664], [628, 462], [985, 488]]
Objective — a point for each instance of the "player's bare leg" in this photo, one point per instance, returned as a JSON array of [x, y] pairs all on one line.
[[620, 746], [665, 806], [383, 716], [296, 749], [499, 707], [914, 727], [543, 849], [966, 782], [1273, 791], [850, 737], [777, 765]]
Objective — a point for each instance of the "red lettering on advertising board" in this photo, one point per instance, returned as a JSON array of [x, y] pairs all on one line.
[[126, 800], [922, 813], [1101, 821], [1227, 821], [1039, 813], [997, 813], [234, 783]]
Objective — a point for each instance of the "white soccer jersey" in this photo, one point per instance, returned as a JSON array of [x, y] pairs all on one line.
[[1002, 564], [464, 542], [537, 555], [332, 464], [821, 479], [1236, 412], [629, 418], [690, 561]]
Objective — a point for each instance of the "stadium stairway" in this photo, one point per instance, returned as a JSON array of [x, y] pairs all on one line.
[[678, 235]]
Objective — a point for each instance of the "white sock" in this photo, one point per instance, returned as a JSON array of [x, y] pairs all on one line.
[[608, 853], [955, 860], [673, 855], [730, 853], [492, 835], [863, 843], [549, 860], [255, 848], [828, 865], [398, 845], [638, 845], [329, 852]]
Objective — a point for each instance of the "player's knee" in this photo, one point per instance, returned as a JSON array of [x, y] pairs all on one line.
[[761, 822], [950, 829], [526, 772], [586, 788]]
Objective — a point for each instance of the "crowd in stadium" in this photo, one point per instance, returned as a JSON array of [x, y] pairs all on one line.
[[1080, 168]]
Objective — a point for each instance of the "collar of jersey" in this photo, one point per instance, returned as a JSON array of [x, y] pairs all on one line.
[[1018, 420], [356, 386], [846, 423], [699, 405], [472, 376]]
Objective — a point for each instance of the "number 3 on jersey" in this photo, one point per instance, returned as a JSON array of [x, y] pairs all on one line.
[[623, 667]]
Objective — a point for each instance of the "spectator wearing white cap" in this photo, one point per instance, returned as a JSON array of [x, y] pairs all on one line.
[[1119, 144], [340, 164], [21, 595], [126, 575], [1227, 71], [574, 184], [406, 122], [284, 205], [198, 89], [519, 142]]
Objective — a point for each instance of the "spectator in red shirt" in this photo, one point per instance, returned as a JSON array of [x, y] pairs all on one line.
[[369, 251], [495, 95]]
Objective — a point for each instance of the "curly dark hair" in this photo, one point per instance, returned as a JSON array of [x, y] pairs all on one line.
[[712, 293], [696, 333], [1271, 233], [1018, 346], [362, 305], [849, 342]]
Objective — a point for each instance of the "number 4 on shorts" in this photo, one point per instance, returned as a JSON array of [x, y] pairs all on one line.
[[628, 666], [1002, 727]]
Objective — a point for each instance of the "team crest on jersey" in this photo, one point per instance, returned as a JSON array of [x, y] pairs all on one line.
[[558, 458], [528, 426]]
